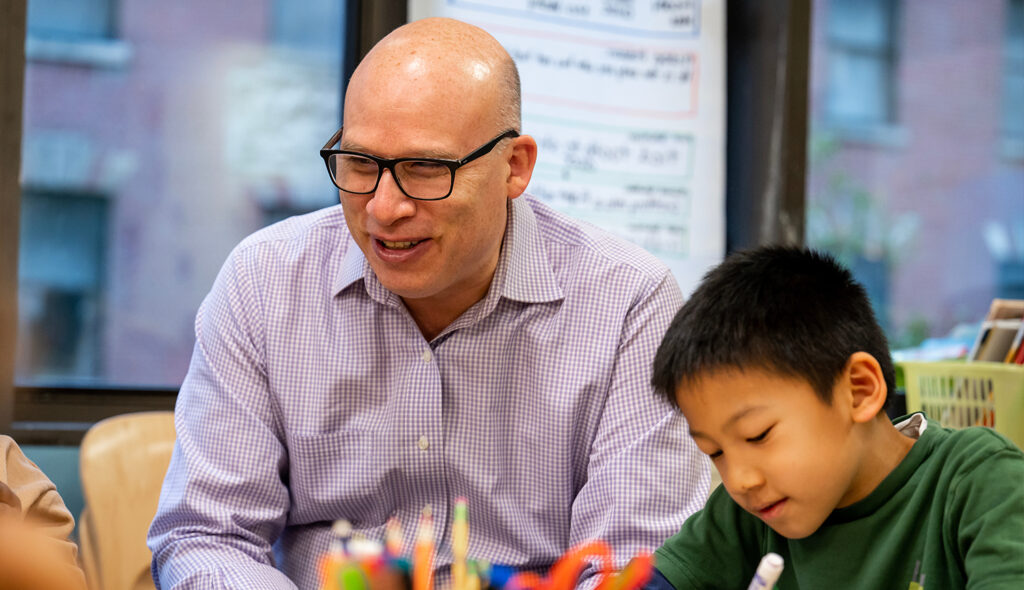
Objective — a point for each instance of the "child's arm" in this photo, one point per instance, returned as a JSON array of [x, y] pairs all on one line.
[[718, 547], [37, 499], [658, 581], [987, 507], [34, 527]]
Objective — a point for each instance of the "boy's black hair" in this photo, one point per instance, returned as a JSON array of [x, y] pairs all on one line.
[[789, 310]]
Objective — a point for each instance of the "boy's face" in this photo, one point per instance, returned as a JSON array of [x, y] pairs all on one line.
[[784, 455]]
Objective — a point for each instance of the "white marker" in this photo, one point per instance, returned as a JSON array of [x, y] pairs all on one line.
[[768, 572]]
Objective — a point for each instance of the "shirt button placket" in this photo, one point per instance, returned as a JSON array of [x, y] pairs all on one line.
[[424, 443]]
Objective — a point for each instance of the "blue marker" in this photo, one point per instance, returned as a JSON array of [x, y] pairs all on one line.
[[768, 572]]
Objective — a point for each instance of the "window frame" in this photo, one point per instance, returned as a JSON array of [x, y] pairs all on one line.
[[767, 60], [13, 15]]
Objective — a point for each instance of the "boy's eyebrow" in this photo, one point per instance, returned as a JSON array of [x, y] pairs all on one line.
[[732, 420]]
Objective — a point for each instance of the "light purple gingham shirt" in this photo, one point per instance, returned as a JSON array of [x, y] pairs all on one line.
[[312, 396]]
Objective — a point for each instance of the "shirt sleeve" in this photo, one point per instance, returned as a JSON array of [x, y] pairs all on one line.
[[987, 506], [718, 547], [27, 494], [37, 497], [645, 474], [224, 501]]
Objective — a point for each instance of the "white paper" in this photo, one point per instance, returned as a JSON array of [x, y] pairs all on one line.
[[626, 101]]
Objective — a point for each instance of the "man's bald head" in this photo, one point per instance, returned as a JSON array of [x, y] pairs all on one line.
[[447, 54]]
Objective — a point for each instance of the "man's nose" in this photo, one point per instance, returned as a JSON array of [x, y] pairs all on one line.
[[389, 204]]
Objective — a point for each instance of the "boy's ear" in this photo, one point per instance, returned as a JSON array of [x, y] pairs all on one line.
[[867, 386]]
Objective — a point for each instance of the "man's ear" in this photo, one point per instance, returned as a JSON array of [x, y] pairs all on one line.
[[867, 386], [521, 161]]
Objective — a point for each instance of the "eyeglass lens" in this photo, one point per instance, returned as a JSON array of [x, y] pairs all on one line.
[[422, 179]]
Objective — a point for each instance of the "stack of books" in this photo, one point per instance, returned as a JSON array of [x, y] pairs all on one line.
[[1001, 337]]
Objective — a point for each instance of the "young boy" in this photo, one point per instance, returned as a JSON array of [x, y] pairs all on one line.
[[783, 374]]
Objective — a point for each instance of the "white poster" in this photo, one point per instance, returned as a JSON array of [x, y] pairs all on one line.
[[626, 101]]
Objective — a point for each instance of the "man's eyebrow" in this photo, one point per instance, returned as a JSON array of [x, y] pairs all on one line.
[[353, 147], [427, 154]]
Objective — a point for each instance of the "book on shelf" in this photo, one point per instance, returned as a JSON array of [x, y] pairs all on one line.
[[1016, 352], [1019, 359], [1001, 336]]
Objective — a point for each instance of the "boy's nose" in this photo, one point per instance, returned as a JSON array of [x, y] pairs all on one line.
[[743, 477]]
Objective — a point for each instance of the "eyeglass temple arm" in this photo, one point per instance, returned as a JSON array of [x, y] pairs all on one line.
[[333, 140]]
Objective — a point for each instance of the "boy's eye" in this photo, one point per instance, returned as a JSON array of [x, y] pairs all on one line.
[[761, 436], [715, 455]]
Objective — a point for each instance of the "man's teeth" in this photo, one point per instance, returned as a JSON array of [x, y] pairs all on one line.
[[398, 245]]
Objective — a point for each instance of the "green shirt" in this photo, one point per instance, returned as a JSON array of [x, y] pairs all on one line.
[[951, 515]]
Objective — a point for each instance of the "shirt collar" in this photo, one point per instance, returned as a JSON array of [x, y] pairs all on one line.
[[523, 273], [355, 267]]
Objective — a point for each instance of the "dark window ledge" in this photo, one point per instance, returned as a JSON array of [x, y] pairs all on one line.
[[98, 52], [60, 415]]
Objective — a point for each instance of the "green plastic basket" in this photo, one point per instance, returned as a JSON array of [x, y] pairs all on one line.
[[962, 394]]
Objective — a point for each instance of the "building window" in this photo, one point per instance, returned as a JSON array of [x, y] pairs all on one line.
[[861, 62], [208, 132], [308, 25], [70, 19], [1013, 94], [932, 223], [61, 283]]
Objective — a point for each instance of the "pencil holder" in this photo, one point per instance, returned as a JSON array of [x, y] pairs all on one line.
[[962, 394]]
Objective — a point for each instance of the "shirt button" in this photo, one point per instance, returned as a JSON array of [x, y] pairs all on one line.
[[427, 356], [423, 443]]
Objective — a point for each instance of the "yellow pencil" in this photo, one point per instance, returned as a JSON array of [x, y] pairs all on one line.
[[460, 544], [472, 576], [393, 537]]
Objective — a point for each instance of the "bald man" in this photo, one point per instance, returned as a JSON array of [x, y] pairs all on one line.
[[438, 334]]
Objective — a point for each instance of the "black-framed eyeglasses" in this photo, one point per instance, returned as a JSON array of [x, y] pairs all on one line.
[[423, 179]]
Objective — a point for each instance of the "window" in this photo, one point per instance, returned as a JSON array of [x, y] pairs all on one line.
[[861, 61], [933, 224], [193, 142], [70, 19], [1013, 94], [137, 178], [62, 261], [310, 25]]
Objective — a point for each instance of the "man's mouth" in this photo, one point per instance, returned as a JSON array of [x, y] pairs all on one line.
[[398, 245]]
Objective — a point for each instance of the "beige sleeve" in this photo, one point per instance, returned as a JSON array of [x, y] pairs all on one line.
[[41, 506]]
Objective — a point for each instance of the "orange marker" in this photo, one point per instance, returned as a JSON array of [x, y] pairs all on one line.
[[564, 574], [332, 564], [525, 581], [635, 574], [423, 553]]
